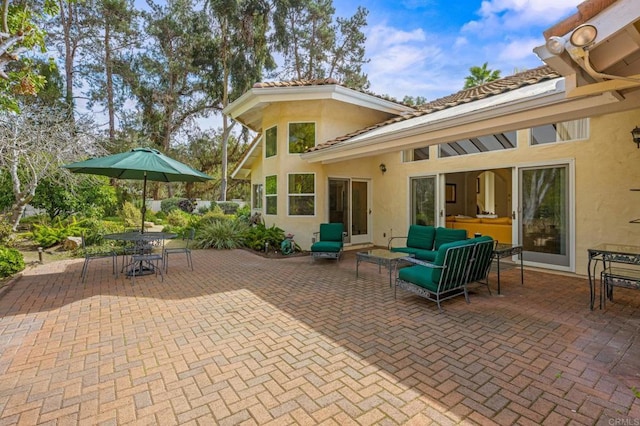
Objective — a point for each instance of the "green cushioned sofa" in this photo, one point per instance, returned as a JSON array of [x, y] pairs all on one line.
[[424, 241], [456, 264]]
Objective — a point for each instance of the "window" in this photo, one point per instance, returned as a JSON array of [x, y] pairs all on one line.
[[560, 132], [271, 142], [415, 154], [495, 142], [302, 136], [256, 196], [271, 194], [302, 195]]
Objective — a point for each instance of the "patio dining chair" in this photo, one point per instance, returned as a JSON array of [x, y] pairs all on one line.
[[149, 259], [91, 255], [188, 237]]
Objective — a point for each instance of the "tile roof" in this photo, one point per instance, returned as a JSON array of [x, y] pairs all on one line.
[[492, 88]]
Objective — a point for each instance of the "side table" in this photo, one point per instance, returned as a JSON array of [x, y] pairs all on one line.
[[502, 250]]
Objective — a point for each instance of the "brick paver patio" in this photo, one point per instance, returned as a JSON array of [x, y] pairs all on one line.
[[248, 340]]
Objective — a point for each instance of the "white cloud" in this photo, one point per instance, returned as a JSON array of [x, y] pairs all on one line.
[[518, 50], [503, 15]]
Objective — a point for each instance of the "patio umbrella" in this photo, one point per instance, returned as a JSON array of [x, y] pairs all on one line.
[[139, 164]]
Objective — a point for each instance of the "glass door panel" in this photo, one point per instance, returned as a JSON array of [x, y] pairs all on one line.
[[360, 212], [423, 201], [544, 228], [339, 202]]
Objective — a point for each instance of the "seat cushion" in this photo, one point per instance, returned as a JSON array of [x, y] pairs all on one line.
[[421, 237], [420, 276], [448, 235], [326, 246]]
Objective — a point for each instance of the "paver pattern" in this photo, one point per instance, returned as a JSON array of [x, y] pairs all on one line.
[[245, 340]]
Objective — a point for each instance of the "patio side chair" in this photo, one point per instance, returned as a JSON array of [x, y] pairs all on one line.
[[91, 255], [188, 238], [148, 259]]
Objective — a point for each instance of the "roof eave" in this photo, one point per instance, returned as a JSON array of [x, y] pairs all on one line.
[[256, 99], [508, 116]]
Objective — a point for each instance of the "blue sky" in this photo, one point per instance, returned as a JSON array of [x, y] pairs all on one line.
[[426, 47]]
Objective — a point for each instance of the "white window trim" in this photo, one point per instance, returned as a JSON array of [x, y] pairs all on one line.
[[315, 134], [265, 141], [315, 198]]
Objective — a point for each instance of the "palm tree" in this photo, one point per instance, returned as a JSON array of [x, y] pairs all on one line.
[[480, 75]]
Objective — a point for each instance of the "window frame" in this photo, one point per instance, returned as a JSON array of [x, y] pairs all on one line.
[[311, 195], [315, 136], [270, 197], [586, 127], [266, 142], [257, 201]]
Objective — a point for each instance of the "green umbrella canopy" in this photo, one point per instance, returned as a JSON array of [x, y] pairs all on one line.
[[138, 164]]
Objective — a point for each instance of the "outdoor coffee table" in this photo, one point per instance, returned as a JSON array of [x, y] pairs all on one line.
[[380, 257]]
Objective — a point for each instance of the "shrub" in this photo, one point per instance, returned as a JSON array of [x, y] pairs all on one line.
[[95, 229], [224, 234], [244, 213], [11, 261], [169, 204], [229, 207], [178, 218], [187, 205], [131, 215], [47, 236], [5, 230], [256, 237]]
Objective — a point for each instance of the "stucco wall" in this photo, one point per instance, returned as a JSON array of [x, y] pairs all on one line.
[[606, 168]]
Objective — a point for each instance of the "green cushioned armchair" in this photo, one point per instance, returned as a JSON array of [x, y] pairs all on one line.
[[330, 241]]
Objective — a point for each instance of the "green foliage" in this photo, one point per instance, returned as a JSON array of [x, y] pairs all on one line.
[[94, 230], [11, 261], [161, 215], [5, 230], [480, 75], [169, 204], [178, 218], [50, 235], [23, 33], [215, 215], [131, 215], [228, 207], [256, 237], [222, 234], [87, 198], [244, 213]]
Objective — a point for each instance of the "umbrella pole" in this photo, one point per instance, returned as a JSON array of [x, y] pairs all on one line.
[[144, 200]]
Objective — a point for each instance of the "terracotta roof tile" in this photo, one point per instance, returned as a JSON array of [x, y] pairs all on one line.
[[492, 88]]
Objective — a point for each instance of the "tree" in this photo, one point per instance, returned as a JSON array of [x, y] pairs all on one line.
[[414, 100], [315, 47], [240, 27], [170, 76], [20, 33], [114, 34], [36, 143], [480, 75]]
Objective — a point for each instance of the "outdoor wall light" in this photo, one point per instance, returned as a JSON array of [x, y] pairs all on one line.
[[583, 36], [383, 168], [636, 136], [555, 45]]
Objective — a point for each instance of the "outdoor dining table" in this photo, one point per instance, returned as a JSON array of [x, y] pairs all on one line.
[[139, 238]]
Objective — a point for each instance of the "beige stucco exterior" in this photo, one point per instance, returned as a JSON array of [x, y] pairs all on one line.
[[602, 168]]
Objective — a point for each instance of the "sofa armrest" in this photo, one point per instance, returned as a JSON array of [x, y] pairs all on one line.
[[393, 238], [422, 263]]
